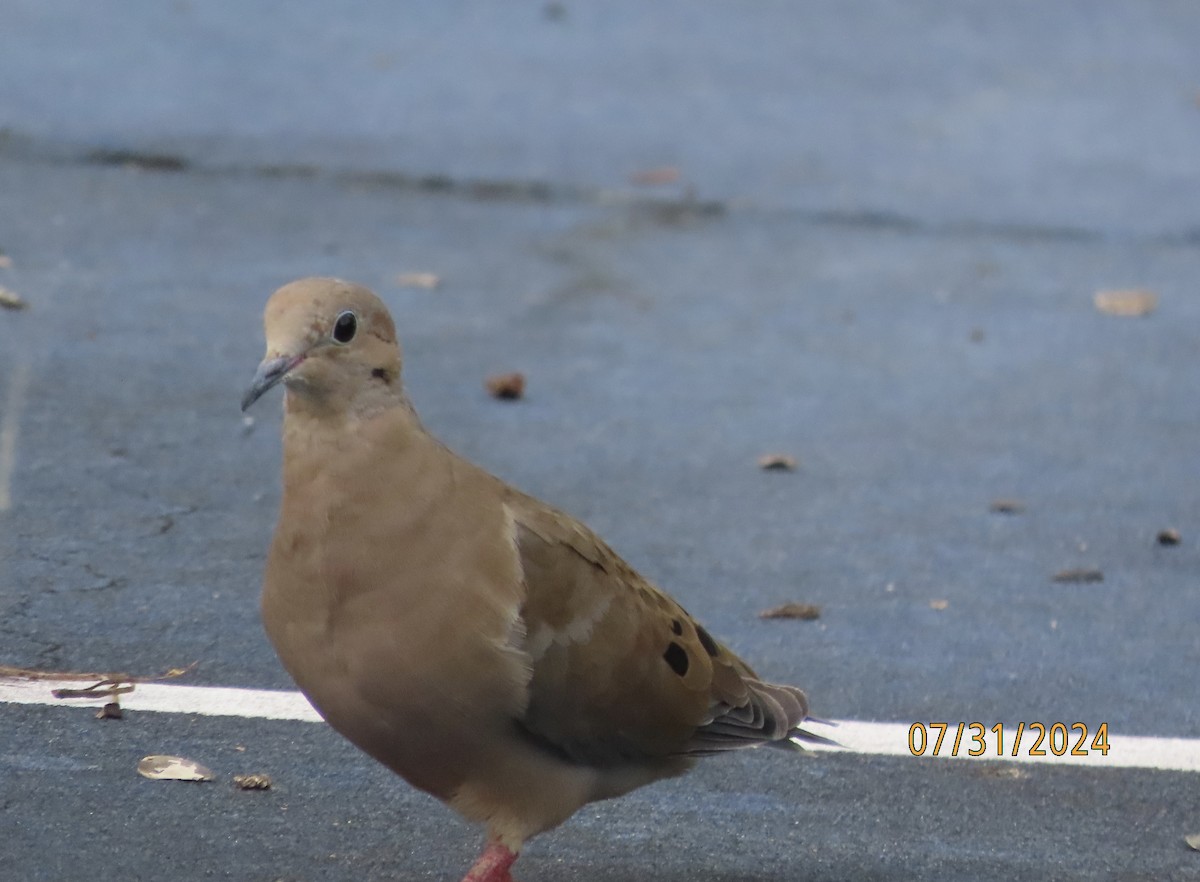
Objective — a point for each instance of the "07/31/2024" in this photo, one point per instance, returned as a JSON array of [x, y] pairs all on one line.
[[976, 739]]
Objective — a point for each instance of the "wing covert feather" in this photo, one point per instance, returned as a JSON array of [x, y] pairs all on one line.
[[620, 671]]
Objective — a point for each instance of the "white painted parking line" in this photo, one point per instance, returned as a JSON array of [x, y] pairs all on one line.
[[1062, 743], [213, 701], [1066, 744]]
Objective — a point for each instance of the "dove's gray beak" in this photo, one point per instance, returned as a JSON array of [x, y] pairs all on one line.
[[270, 372]]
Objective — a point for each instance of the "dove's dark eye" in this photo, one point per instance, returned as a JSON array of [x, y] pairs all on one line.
[[345, 327]]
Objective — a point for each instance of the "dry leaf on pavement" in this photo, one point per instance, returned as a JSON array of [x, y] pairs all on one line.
[[506, 386], [1083, 574], [12, 300], [805, 611], [173, 768], [1007, 506], [1126, 302], [257, 781], [429, 281], [651, 177], [777, 462]]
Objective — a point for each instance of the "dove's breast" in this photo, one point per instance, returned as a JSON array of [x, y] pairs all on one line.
[[395, 612]]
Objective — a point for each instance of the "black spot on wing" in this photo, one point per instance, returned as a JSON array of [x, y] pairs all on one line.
[[710, 645], [676, 656]]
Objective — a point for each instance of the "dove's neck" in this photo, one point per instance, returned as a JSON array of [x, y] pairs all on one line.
[[316, 427], [320, 394]]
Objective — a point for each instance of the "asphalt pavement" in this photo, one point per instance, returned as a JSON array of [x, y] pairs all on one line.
[[865, 235]]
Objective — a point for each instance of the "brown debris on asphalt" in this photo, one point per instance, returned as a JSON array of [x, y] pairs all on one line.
[[111, 711], [1131, 302], [255, 781], [105, 685], [777, 462], [1006, 506], [508, 387], [35, 674], [1169, 536], [104, 678], [804, 611], [11, 299], [173, 768], [5, 261], [1079, 575], [109, 688], [651, 177], [939, 604], [428, 281]]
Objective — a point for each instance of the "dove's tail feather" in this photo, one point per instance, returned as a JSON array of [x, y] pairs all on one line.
[[800, 739], [771, 715]]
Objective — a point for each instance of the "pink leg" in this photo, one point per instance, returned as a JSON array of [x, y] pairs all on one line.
[[492, 865]]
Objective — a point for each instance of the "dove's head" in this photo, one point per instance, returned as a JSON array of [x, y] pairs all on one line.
[[332, 343]]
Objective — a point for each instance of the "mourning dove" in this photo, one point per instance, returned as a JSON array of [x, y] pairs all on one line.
[[491, 650]]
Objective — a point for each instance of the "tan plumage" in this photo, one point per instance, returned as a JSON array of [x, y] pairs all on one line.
[[491, 650]]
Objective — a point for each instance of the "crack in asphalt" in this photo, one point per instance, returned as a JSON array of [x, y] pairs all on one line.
[[16, 613], [685, 207]]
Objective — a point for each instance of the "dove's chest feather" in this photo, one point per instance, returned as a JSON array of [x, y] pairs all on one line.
[[391, 582]]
